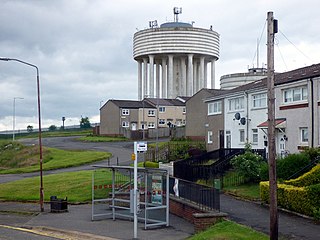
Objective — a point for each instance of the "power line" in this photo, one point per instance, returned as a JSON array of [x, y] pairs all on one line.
[[277, 44], [295, 46]]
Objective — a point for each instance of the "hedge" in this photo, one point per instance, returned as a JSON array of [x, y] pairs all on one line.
[[310, 178], [299, 195], [298, 199]]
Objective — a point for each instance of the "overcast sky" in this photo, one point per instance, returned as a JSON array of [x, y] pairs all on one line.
[[84, 48]]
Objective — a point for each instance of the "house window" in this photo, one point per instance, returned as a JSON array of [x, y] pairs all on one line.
[[236, 104], [125, 124], [125, 112], [255, 136], [162, 109], [184, 110], [162, 121], [304, 134], [242, 135], [151, 113], [214, 108], [295, 94], [259, 100], [151, 125], [210, 136]]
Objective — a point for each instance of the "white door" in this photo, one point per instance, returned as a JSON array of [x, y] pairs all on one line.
[[133, 126], [228, 139]]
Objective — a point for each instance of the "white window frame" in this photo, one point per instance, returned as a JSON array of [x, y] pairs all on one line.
[[210, 137], [162, 109], [255, 136], [151, 112], [184, 110], [236, 104], [259, 100], [214, 108], [125, 124], [162, 121], [125, 112], [296, 94], [304, 138], [151, 125], [242, 136]]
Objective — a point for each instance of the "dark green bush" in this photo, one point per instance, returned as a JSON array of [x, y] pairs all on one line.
[[287, 166]]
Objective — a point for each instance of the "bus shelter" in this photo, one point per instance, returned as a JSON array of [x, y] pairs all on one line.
[[112, 194]]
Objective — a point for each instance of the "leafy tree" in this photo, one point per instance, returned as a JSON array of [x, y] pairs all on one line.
[[29, 128], [52, 128], [248, 164], [85, 123]]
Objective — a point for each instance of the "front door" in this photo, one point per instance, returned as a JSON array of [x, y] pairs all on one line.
[[228, 139], [133, 126]]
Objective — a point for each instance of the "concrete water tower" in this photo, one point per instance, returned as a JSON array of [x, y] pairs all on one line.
[[173, 58]]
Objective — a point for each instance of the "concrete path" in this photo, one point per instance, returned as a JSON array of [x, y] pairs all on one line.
[[257, 216]]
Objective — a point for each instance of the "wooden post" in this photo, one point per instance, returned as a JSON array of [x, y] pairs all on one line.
[[271, 130]]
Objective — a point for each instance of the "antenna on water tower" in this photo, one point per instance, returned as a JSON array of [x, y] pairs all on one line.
[[176, 12]]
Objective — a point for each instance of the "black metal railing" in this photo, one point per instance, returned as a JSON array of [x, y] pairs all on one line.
[[206, 198], [208, 165]]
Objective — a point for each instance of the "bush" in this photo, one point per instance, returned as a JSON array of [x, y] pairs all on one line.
[[310, 178], [287, 166], [248, 164]]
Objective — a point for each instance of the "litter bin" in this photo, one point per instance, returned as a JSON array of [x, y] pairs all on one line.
[[58, 205]]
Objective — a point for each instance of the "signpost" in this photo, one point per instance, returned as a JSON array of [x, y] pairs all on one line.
[[138, 147]]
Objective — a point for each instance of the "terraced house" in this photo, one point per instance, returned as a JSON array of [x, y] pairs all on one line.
[[239, 115], [117, 117]]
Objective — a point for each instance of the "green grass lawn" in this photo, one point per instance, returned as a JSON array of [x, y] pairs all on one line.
[[250, 191], [21, 159], [101, 139], [227, 230]]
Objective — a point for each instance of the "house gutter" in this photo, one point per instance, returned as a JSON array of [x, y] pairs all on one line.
[[312, 113]]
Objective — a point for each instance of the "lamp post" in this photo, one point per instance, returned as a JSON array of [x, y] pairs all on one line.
[[39, 121], [14, 117]]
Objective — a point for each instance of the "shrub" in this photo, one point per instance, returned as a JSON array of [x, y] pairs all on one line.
[[291, 164], [287, 166], [310, 178], [248, 164]]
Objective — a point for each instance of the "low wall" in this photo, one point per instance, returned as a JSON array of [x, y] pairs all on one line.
[[199, 218]]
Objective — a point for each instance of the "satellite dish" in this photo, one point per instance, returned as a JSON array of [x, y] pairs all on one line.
[[237, 116], [243, 121]]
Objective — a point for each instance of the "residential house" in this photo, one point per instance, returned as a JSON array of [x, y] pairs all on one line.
[[171, 112], [245, 113], [119, 115], [196, 127]]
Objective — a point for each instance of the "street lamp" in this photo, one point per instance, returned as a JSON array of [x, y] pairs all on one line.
[[14, 116], [39, 120]]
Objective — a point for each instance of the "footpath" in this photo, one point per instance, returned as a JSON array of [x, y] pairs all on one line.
[[77, 224]]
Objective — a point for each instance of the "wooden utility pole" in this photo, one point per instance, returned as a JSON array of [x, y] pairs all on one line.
[[272, 29]]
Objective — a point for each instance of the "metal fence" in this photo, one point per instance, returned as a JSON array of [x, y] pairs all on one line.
[[206, 198], [208, 165]]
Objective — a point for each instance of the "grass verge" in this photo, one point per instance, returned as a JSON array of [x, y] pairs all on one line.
[[74, 185], [227, 230], [56, 158], [250, 191]]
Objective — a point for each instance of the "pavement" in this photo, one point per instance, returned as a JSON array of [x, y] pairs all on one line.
[[77, 224]]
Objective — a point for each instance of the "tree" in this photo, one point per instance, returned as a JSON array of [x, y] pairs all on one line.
[[85, 123], [52, 128], [29, 128]]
